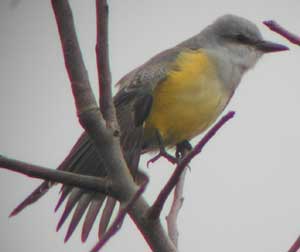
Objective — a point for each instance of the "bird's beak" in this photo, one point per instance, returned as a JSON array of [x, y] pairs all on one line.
[[268, 46]]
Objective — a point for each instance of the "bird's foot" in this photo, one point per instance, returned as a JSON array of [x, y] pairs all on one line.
[[162, 152], [165, 154], [182, 148]]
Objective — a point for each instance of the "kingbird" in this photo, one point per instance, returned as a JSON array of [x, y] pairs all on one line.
[[168, 100]]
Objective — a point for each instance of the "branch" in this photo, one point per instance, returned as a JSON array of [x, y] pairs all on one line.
[[274, 26], [175, 208], [295, 246], [151, 230], [105, 139], [114, 228], [104, 75], [157, 206], [93, 183], [78, 76]]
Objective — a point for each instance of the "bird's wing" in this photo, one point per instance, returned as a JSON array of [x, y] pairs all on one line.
[[137, 86], [147, 76]]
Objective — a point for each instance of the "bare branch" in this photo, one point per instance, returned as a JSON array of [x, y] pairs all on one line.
[[151, 229], [181, 152], [296, 245], [157, 206], [104, 75], [114, 228], [175, 208], [274, 26], [90, 117], [84, 98], [98, 184], [104, 138]]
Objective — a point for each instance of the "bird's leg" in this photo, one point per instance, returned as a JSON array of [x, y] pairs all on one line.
[[182, 148], [162, 152]]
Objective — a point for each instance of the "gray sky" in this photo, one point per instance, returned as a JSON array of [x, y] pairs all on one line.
[[243, 190]]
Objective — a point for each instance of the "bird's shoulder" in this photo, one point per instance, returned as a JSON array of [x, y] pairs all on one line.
[[153, 72]]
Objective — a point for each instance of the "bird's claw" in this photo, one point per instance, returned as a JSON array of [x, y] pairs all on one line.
[[162, 153]]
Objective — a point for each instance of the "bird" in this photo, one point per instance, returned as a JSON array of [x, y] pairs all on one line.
[[165, 102]]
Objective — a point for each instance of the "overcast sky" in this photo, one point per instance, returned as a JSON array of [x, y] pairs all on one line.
[[242, 193]]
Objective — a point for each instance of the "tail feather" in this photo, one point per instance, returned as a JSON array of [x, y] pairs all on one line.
[[72, 200], [82, 205], [84, 158], [77, 152], [91, 215], [87, 157], [106, 216], [64, 194]]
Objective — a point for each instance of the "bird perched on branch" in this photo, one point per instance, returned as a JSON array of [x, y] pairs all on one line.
[[167, 101]]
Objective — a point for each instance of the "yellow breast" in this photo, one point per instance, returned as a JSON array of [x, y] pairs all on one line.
[[188, 101]]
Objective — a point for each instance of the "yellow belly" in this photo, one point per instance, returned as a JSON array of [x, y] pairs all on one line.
[[188, 101]]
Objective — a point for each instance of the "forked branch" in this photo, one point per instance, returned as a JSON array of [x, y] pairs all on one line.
[[105, 138]]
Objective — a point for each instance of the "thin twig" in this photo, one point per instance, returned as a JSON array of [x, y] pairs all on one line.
[[157, 206], [274, 26], [296, 245], [181, 152], [175, 208], [105, 94], [114, 228], [92, 183]]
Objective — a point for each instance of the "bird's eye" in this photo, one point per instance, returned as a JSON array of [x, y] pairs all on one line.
[[241, 38]]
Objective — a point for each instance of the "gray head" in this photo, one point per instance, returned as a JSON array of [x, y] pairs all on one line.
[[237, 38], [241, 39]]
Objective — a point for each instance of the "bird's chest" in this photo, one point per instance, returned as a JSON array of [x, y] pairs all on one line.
[[187, 102]]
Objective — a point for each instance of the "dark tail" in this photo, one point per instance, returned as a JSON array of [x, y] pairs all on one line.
[[85, 159]]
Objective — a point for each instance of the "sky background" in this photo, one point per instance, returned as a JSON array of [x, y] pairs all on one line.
[[242, 193]]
